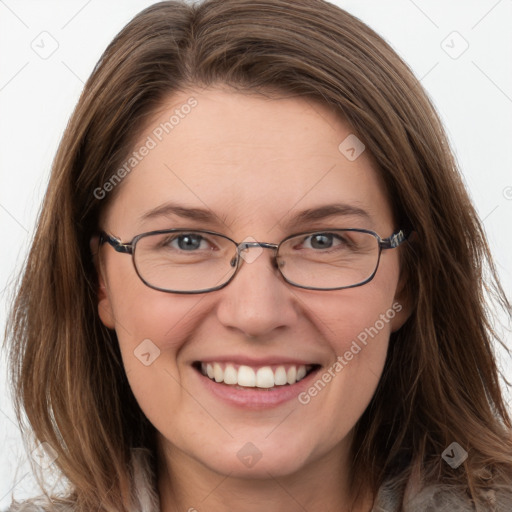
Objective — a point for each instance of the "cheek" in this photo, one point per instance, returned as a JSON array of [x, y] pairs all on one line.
[[356, 316], [356, 324], [151, 328], [143, 313], [155, 322], [356, 327], [360, 320]]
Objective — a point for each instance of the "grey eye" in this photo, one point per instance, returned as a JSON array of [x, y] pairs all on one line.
[[188, 242], [321, 241]]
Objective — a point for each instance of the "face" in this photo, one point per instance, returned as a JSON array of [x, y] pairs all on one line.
[[253, 164]]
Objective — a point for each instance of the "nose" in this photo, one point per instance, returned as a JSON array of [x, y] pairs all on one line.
[[257, 301]]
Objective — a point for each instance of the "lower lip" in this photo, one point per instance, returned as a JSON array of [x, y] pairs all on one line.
[[256, 398]]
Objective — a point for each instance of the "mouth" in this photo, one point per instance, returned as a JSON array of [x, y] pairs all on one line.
[[269, 377]]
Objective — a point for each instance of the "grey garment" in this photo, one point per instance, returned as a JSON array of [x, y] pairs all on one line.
[[145, 497], [443, 498], [435, 498]]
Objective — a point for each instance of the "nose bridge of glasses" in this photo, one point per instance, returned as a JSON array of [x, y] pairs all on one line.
[[245, 245], [242, 246]]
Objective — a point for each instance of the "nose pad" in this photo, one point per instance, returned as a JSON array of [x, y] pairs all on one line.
[[243, 253], [275, 262]]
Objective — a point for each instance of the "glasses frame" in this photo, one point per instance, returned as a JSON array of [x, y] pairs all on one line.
[[391, 242]]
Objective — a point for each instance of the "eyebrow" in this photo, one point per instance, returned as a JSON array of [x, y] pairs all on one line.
[[305, 216]]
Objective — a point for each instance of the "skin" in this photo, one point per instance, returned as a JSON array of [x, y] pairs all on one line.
[[254, 161]]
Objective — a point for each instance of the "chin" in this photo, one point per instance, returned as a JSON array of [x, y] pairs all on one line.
[[253, 460]]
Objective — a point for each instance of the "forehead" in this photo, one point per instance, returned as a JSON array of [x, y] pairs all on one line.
[[248, 158]]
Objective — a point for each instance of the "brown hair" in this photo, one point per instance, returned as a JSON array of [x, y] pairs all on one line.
[[440, 382]]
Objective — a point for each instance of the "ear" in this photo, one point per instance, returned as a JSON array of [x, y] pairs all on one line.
[[403, 303], [105, 310], [402, 308]]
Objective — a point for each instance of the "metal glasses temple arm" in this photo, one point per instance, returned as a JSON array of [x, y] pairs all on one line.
[[394, 240], [116, 243]]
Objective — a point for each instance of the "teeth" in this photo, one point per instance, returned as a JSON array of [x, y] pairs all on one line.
[[291, 375], [230, 375], [280, 376], [218, 374], [264, 377], [246, 377]]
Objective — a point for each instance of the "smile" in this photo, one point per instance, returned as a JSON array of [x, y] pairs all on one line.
[[265, 377]]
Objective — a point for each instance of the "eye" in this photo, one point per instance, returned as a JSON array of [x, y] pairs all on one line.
[[323, 241], [188, 242]]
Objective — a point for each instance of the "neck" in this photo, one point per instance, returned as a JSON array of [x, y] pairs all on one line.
[[185, 484]]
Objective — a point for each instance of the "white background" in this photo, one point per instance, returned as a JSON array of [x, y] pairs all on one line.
[[472, 92]]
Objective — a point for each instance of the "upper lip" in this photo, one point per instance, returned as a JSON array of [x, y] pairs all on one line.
[[253, 361]]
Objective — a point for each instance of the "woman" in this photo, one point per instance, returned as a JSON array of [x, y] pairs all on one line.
[[256, 281]]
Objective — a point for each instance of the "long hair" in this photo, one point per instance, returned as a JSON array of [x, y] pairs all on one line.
[[440, 382]]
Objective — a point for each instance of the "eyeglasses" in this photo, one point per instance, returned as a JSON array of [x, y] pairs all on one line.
[[200, 261]]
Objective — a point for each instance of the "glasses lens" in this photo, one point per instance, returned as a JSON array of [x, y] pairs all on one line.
[[329, 259], [194, 261], [184, 260]]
